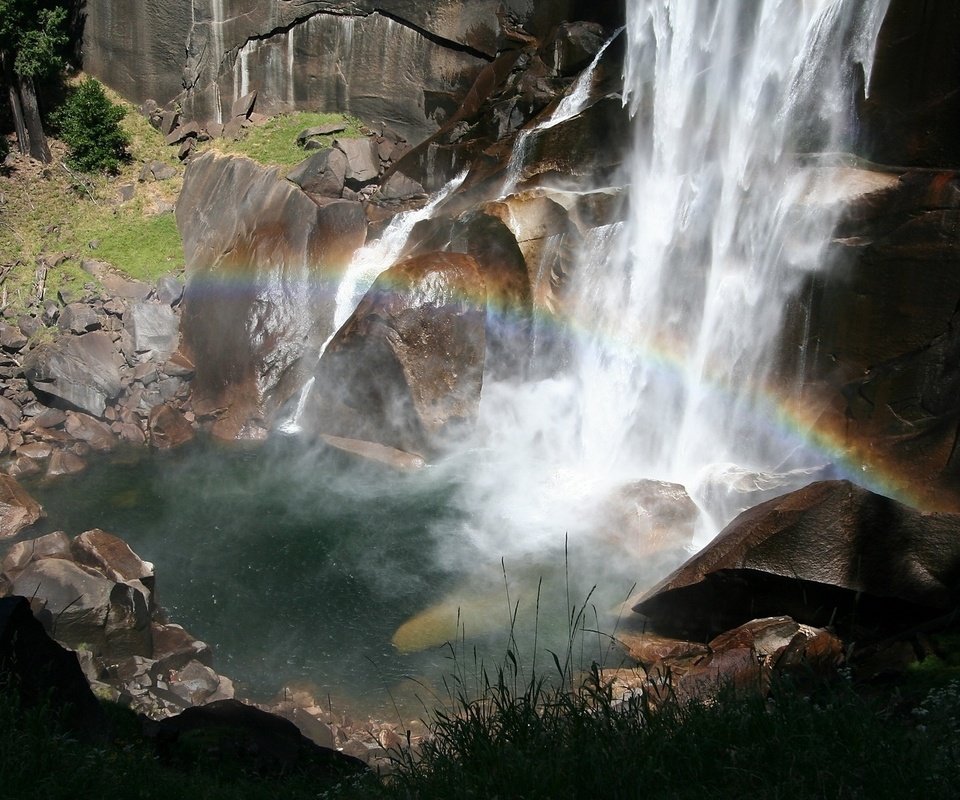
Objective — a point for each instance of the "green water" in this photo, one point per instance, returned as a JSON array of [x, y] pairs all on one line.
[[300, 567]]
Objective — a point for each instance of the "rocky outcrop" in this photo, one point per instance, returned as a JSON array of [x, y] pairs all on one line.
[[262, 258], [406, 369], [818, 554]]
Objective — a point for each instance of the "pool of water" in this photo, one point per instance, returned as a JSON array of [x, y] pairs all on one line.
[[317, 569]]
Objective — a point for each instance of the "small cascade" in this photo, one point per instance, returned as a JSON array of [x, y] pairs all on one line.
[[367, 263], [372, 259], [569, 106]]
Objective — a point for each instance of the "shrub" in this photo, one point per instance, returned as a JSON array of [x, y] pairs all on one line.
[[90, 126]]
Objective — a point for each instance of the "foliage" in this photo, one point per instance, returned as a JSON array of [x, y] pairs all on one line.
[[34, 33], [275, 141], [89, 124]]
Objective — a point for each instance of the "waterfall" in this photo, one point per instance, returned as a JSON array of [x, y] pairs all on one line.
[[675, 313]]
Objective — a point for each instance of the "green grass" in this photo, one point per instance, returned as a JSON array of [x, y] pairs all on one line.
[[275, 141], [145, 247]]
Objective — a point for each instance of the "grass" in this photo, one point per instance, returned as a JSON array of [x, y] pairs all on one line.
[[275, 141], [50, 210]]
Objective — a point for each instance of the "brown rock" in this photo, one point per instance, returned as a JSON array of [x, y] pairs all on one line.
[[406, 369], [52, 545], [63, 462], [111, 556], [829, 546], [18, 509], [168, 428], [87, 429]]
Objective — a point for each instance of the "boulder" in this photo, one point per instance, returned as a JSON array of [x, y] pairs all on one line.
[[363, 161], [322, 173], [51, 545], [406, 368], [81, 370], [572, 46], [11, 415], [78, 318], [234, 734], [243, 106], [320, 130], [113, 557], [817, 554], [12, 338], [82, 607], [154, 328], [254, 301], [41, 672], [168, 427], [169, 290], [18, 510], [85, 428]]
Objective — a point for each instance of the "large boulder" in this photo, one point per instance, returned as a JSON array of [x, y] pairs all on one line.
[[154, 329], [815, 554], [80, 606], [41, 672], [262, 259], [407, 367], [81, 370]]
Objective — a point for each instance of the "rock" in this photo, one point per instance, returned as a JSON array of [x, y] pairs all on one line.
[[18, 510], [29, 325], [247, 317], [41, 672], [154, 328], [363, 163], [80, 606], [169, 290], [52, 545], [322, 174], [112, 557], [50, 418], [174, 648], [243, 106], [406, 369], [816, 554], [320, 130], [63, 462], [157, 170], [182, 132], [195, 683], [168, 121], [572, 46], [399, 186], [234, 733], [78, 369], [12, 338], [85, 428], [78, 318], [38, 451], [376, 452], [11, 415], [168, 428]]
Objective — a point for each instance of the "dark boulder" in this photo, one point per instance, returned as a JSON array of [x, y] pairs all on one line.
[[323, 173], [41, 672], [229, 733], [817, 554], [406, 369]]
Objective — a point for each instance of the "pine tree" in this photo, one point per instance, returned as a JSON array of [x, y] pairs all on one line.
[[90, 126]]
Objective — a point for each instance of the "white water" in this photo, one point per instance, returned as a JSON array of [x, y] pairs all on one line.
[[676, 311]]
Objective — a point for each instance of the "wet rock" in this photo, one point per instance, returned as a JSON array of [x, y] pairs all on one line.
[[11, 415], [18, 510], [816, 554], [246, 317], [168, 427], [85, 428], [406, 369], [52, 545], [174, 648], [63, 462], [376, 452], [80, 606], [195, 683], [38, 451], [78, 369], [112, 557]]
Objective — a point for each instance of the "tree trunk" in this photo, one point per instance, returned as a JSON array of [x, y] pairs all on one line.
[[31, 112], [23, 142]]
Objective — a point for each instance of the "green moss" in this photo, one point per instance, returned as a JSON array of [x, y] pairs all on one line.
[[275, 141]]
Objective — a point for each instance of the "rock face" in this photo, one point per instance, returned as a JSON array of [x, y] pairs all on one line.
[[260, 280], [399, 62], [406, 369], [831, 546]]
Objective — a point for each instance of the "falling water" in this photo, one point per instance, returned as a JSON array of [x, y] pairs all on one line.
[[572, 103], [676, 311]]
